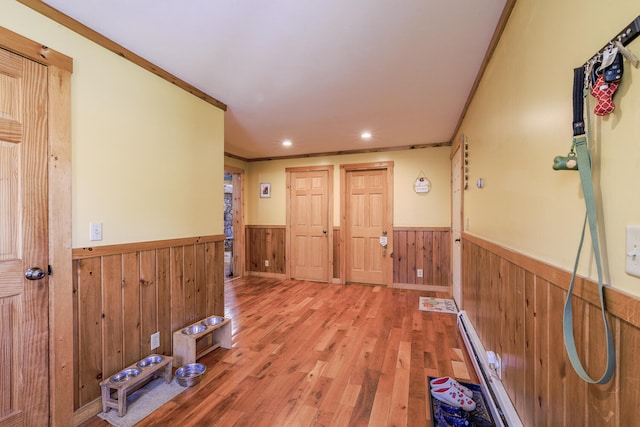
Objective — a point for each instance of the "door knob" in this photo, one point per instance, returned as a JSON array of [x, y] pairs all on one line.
[[324, 231], [35, 273]]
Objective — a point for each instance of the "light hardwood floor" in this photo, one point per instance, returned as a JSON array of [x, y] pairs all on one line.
[[315, 354]]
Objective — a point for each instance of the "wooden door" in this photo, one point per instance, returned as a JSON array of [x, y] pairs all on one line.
[[308, 223], [24, 376], [368, 223], [456, 225]]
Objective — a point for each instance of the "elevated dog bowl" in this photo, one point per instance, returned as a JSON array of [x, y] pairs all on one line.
[[194, 329], [125, 375], [190, 374], [213, 320], [150, 361]]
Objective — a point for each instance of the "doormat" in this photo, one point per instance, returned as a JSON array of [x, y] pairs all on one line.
[[143, 402], [441, 305], [443, 415]]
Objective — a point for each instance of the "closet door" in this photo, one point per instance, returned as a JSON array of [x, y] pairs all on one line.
[[368, 224], [24, 296], [309, 225]]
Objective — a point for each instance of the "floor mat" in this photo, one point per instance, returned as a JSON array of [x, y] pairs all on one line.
[[143, 402], [443, 415], [441, 305]]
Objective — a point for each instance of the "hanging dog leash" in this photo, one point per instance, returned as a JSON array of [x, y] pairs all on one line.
[[602, 73], [580, 159]]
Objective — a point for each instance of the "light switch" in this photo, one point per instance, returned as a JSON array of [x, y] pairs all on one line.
[[632, 251], [95, 231]]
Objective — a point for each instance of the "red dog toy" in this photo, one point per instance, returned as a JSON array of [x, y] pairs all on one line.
[[604, 94]]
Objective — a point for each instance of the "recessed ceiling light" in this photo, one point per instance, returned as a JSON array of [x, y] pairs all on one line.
[[365, 135], [286, 143]]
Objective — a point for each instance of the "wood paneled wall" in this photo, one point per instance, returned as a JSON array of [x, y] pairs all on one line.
[[337, 241], [428, 249], [516, 305], [266, 242], [414, 248], [125, 293]]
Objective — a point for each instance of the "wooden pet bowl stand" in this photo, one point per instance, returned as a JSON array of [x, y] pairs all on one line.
[[133, 383], [187, 348]]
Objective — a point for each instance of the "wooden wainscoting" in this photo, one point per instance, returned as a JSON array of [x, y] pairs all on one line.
[[337, 242], [266, 242], [125, 293], [426, 248], [516, 305]]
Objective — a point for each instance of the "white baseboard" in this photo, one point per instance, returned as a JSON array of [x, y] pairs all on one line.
[[502, 409]]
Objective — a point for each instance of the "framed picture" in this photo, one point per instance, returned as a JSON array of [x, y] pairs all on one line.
[[265, 189]]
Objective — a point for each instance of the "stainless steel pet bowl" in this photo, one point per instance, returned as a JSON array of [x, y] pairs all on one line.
[[125, 375], [190, 374], [194, 329], [150, 361], [213, 320]]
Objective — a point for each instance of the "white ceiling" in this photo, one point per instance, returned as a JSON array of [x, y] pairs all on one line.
[[315, 72]]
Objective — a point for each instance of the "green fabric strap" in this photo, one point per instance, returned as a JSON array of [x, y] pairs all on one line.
[[584, 166]]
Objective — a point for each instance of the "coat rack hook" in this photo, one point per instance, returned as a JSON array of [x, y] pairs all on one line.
[[626, 36]]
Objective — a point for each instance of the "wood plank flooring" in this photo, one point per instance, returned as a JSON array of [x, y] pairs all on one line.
[[316, 354]]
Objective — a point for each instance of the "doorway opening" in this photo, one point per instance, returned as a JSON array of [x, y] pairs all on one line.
[[233, 223], [228, 225]]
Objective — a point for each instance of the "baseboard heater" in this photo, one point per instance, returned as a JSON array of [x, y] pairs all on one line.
[[504, 414]]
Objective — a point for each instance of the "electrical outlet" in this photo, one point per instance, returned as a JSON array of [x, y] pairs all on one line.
[[495, 363], [266, 263], [155, 340], [419, 272], [95, 231]]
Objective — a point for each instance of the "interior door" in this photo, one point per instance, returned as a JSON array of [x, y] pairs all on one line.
[[24, 375], [367, 227], [456, 225], [309, 224]]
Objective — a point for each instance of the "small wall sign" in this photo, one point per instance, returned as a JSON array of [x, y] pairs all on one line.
[[422, 185]]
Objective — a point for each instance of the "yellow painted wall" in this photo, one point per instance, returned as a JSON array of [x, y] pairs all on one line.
[[410, 209], [520, 119], [147, 156]]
